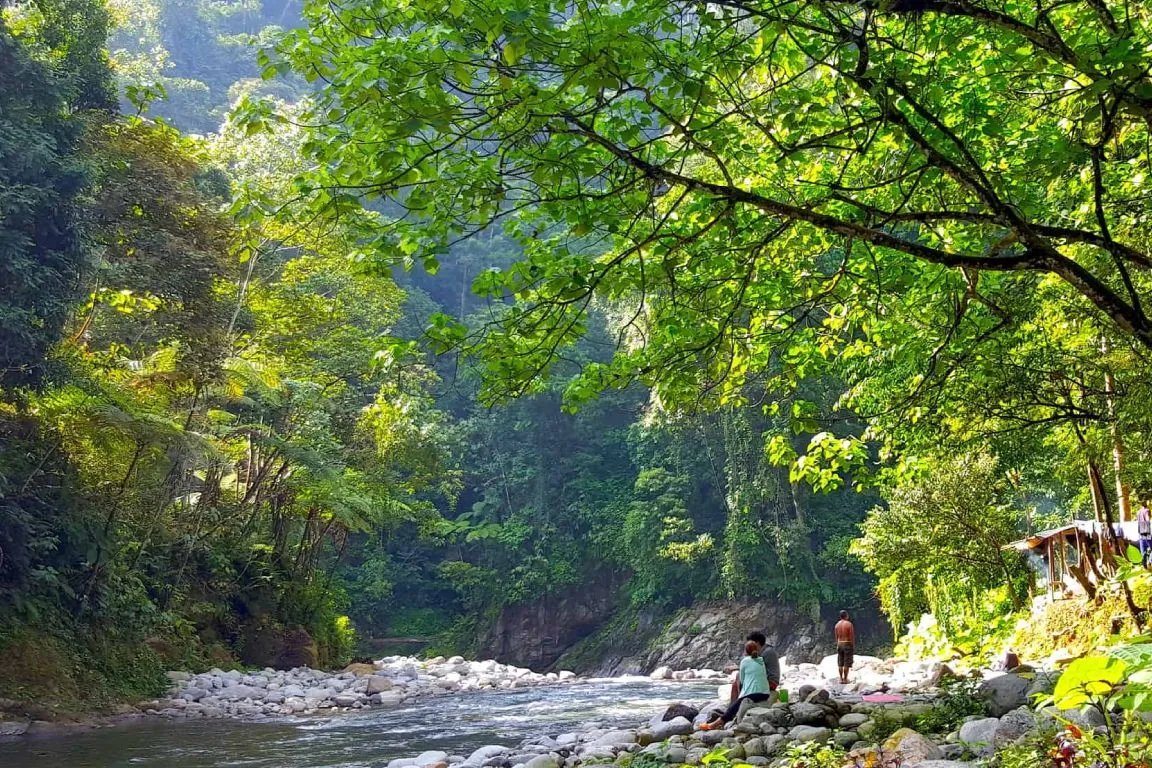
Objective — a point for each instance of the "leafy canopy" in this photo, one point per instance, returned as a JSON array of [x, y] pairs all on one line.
[[754, 186]]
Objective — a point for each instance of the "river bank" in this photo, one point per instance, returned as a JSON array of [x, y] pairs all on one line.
[[872, 728], [452, 713]]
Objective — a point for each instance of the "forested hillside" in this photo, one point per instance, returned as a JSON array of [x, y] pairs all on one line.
[[327, 324]]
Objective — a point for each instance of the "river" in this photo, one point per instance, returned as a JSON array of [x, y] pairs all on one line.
[[367, 739]]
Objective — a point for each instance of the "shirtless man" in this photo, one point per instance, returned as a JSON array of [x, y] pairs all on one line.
[[845, 646]]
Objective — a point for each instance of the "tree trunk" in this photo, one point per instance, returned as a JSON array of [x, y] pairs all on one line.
[[1123, 498]]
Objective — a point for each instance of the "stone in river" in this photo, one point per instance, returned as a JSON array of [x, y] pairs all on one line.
[[429, 758], [377, 684], [680, 710], [239, 692]]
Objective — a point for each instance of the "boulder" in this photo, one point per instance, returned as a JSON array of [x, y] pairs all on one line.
[[979, 735], [669, 753], [1005, 693], [1014, 725], [680, 726], [680, 710], [778, 716], [543, 761], [238, 693], [378, 684], [616, 739], [359, 670], [804, 713], [846, 738], [713, 738], [912, 748], [803, 733], [1043, 684], [755, 748], [775, 743], [661, 673], [429, 758], [853, 720]]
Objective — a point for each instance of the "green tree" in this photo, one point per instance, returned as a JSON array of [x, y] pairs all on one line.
[[940, 538]]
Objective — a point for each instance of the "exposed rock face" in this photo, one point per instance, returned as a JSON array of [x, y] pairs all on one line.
[[536, 634], [709, 635], [589, 630]]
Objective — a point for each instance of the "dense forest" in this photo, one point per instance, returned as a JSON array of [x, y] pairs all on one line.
[[328, 323]]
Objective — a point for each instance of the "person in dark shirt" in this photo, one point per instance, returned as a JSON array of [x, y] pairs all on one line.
[[771, 660]]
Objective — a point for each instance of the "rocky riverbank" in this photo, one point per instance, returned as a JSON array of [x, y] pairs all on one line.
[[870, 725], [389, 682]]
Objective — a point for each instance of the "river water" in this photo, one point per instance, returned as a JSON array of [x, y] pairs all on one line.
[[367, 739]]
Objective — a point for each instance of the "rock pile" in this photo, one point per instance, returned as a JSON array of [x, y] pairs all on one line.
[[764, 732], [391, 681]]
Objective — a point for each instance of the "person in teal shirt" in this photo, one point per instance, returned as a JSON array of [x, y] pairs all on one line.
[[754, 687]]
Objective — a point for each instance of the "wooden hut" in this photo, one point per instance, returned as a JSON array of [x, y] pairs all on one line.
[[1073, 557]]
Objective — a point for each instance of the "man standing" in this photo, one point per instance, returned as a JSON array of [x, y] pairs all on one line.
[[845, 646], [1144, 533]]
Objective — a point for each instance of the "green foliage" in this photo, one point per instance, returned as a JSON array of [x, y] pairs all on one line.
[[1119, 687], [41, 181], [959, 699], [937, 544], [814, 755]]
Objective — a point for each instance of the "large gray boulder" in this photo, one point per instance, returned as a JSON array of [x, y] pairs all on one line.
[[853, 720], [1043, 684], [686, 711], [803, 733], [1014, 725], [808, 714], [912, 747], [980, 735], [777, 716], [1005, 693], [543, 761], [679, 727], [483, 754]]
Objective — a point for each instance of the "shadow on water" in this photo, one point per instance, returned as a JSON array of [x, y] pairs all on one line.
[[367, 739]]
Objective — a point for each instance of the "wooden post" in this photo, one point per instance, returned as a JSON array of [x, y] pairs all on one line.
[[1051, 568]]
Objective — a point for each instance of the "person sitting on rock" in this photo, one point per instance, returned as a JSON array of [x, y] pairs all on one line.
[[771, 663], [753, 682]]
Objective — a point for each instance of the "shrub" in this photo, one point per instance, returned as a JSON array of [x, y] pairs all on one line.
[[959, 698]]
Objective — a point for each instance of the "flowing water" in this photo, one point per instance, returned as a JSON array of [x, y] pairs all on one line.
[[367, 739]]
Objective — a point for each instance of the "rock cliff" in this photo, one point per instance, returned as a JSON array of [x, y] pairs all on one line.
[[536, 634], [704, 635], [591, 630]]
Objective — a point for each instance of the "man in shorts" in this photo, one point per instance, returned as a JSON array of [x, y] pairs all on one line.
[[845, 646]]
